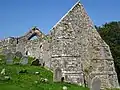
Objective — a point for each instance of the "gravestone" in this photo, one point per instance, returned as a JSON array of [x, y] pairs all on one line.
[[24, 60], [58, 74], [18, 54], [96, 84], [9, 58]]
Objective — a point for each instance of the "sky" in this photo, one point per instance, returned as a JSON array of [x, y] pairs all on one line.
[[18, 16]]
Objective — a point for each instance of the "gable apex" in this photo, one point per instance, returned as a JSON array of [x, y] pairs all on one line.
[[77, 3]]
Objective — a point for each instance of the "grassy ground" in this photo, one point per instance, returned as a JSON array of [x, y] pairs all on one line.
[[26, 81]]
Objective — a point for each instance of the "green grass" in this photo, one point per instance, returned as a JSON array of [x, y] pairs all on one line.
[[112, 89], [26, 81]]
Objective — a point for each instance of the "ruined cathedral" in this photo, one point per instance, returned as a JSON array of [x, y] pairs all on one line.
[[73, 50]]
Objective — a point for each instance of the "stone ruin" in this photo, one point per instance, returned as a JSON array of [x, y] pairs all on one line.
[[73, 50]]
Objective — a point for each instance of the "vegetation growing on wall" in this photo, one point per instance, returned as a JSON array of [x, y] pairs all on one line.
[[2, 59], [16, 60], [30, 60]]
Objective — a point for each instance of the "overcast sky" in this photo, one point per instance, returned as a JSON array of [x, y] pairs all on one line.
[[18, 16]]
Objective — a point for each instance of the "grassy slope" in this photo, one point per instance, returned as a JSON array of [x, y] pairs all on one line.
[[27, 81]]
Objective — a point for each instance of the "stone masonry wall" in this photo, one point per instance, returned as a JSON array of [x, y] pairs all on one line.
[[73, 50], [76, 41]]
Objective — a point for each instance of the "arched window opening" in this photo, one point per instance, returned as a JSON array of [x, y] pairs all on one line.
[[62, 79], [26, 53], [33, 37]]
